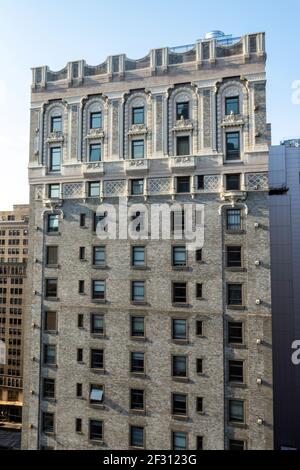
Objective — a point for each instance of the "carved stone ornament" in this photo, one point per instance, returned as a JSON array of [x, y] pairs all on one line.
[[233, 197], [233, 120], [55, 138], [138, 129], [95, 134], [183, 125]]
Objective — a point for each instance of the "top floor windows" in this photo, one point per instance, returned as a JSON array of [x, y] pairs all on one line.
[[138, 115], [96, 120], [95, 153], [182, 111], [233, 146], [56, 124], [232, 105], [55, 159]]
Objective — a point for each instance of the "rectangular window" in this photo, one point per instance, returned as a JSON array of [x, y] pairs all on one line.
[[56, 124], [180, 292], [54, 191], [138, 115], [179, 366], [199, 443], [236, 411], [179, 329], [199, 404], [50, 321], [95, 153], [138, 149], [199, 328], [179, 404], [79, 390], [235, 294], [82, 220], [51, 288], [237, 445], [233, 182], [94, 189], [138, 256], [236, 371], [235, 333], [49, 354], [138, 327], [233, 219], [183, 146], [82, 253], [81, 287], [48, 423], [200, 182], [97, 359], [232, 105], [55, 159], [199, 366], [138, 291], [138, 362], [53, 223], [178, 221], [199, 291], [96, 430], [78, 425], [234, 256], [179, 256], [96, 394], [99, 290], [182, 111], [233, 151], [136, 436], [199, 256], [97, 324], [183, 184], [52, 255], [48, 388], [137, 399], [96, 120], [99, 255], [137, 187], [179, 441], [80, 320], [80, 355]]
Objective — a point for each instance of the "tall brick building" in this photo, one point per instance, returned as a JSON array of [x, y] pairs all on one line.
[[13, 264], [141, 343]]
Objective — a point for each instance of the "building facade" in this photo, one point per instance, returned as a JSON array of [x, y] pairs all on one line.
[[14, 228], [285, 241], [143, 343]]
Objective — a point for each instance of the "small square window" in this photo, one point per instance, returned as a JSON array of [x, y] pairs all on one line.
[[183, 184], [138, 362], [94, 189], [137, 187], [138, 149], [183, 146], [96, 120], [199, 328], [236, 411], [138, 327], [182, 110], [179, 329], [232, 105], [95, 153], [138, 115], [56, 124], [136, 436], [54, 191], [233, 182]]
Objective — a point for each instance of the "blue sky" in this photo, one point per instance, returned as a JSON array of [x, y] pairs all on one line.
[[35, 32]]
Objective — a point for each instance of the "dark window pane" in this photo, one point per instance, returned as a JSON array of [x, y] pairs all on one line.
[[180, 292], [136, 436], [179, 366], [48, 422], [48, 388], [138, 149], [99, 290], [233, 146], [235, 333], [199, 256], [234, 256], [182, 111], [78, 425], [49, 354], [199, 289], [96, 430], [236, 445], [183, 184], [51, 288], [137, 399], [97, 359], [199, 443], [138, 115], [138, 326], [235, 294], [199, 328], [236, 411], [79, 355], [199, 405], [95, 152], [137, 362], [97, 324], [79, 390], [183, 146], [199, 366], [179, 404], [232, 105], [55, 159], [52, 255], [96, 120], [82, 220], [236, 371], [233, 182]]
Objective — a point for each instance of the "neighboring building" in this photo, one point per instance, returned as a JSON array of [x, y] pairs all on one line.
[[285, 256], [139, 344], [13, 265]]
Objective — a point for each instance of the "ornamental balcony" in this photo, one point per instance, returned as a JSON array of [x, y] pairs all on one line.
[[186, 162], [93, 169], [136, 166], [233, 196], [55, 138], [183, 125], [233, 120]]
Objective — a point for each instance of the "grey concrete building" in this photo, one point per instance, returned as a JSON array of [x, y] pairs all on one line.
[[285, 242], [145, 344]]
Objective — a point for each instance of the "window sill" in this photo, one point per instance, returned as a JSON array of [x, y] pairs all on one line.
[[53, 234], [52, 299], [235, 232], [234, 162], [237, 346], [51, 332], [50, 434], [138, 412], [99, 301], [50, 366], [138, 375], [98, 336], [52, 266], [140, 339], [136, 448], [98, 371], [179, 342], [181, 268], [180, 417], [235, 270], [96, 442], [97, 406], [180, 305], [237, 425], [99, 267], [237, 385], [138, 303], [181, 379], [139, 268], [236, 307]]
